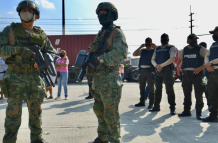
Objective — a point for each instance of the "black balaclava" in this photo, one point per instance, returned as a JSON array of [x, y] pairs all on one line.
[[193, 43], [215, 37], [106, 20]]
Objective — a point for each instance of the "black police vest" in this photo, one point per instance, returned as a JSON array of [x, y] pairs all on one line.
[[192, 57], [146, 56], [214, 52], [163, 54]]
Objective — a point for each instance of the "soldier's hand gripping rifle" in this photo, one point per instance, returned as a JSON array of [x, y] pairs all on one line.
[[45, 64], [83, 60]]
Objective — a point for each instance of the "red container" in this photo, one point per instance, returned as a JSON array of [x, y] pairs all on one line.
[[72, 44]]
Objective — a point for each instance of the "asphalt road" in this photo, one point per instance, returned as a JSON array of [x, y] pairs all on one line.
[[73, 120]]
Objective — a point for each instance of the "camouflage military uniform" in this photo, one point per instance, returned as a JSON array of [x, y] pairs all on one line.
[[107, 84], [23, 86]]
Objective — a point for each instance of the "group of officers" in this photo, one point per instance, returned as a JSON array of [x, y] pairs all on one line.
[[156, 66]]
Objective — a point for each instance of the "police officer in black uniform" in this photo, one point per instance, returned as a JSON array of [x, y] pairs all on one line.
[[192, 59], [204, 44], [163, 59], [146, 70], [211, 62]]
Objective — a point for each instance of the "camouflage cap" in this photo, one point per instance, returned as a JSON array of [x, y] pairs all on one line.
[[28, 4], [109, 6]]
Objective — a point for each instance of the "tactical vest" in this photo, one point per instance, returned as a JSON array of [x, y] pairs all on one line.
[[192, 57], [214, 52], [163, 54], [102, 68], [146, 56], [24, 38]]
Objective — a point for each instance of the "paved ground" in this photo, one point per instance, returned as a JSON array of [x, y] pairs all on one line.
[[73, 121]]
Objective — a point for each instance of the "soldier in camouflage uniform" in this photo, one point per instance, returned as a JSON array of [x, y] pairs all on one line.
[[22, 81], [104, 67]]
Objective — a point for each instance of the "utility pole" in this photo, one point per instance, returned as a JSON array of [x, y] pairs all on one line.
[[191, 19], [63, 17]]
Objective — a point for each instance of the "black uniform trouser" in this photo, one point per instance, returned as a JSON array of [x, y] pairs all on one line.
[[189, 79], [146, 76], [168, 79], [213, 92], [207, 93], [89, 78]]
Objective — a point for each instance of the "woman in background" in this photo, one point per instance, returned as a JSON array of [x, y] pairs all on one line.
[[62, 73]]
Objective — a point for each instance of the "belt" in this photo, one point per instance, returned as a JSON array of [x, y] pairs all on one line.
[[147, 69], [21, 70], [215, 71], [167, 69], [188, 72]]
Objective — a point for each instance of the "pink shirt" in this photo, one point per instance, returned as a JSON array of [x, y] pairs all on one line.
[[62, 61], [121, 68]]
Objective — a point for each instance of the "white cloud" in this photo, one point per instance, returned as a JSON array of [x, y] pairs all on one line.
[[45, 4], [37, 2], [10, 12]]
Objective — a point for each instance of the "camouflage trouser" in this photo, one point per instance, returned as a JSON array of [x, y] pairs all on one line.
[[107, 94], [33, 87]]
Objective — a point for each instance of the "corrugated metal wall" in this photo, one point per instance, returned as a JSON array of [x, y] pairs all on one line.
[[72, 44]]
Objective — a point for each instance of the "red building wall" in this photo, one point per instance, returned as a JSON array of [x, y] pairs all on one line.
[[72, 44]]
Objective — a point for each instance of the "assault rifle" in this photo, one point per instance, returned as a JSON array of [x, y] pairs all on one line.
[[82, 61], [45, 64]]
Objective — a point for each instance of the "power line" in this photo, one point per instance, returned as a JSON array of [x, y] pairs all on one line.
[[77, 18]]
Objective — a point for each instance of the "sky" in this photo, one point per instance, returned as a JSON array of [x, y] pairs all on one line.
[[138, 19]]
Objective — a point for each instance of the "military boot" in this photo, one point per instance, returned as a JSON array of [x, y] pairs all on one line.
[[89, 97], [140, 104], [198, 116], [172, 112], [98, 140], [40, 140], [150, 106], [185, 113], [154, 109], [210, 119]]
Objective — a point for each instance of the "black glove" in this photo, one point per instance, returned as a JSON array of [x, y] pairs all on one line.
[[93, 62]]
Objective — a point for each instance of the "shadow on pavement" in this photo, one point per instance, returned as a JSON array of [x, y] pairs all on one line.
[[133, 119], [194, 131], [83, 108], [69, 106]]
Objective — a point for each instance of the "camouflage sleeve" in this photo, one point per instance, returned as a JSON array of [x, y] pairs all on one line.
[[5, 49], [119, 52], [49, 48]]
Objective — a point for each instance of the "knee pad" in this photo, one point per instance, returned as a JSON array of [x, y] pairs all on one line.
[[14, 108], [34, 108]]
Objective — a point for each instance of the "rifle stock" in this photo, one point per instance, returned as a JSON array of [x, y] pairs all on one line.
[[83, 71]]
